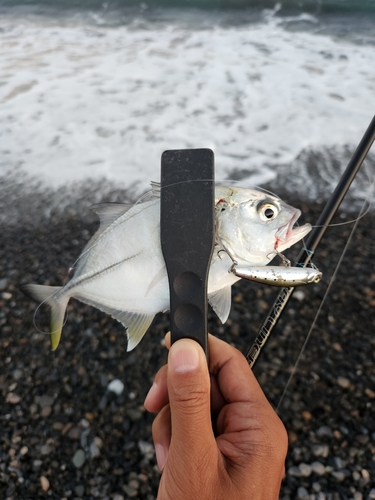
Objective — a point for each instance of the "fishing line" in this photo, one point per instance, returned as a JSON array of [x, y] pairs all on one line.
[[350, 221], [45, 301], [361, 214]]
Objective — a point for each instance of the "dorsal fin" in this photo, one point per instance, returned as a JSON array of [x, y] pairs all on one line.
[[155, 186], [109, 212], [220, 302]]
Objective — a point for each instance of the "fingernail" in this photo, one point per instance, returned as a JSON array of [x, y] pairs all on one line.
[[184, 356], [161, 455], [151, 392]]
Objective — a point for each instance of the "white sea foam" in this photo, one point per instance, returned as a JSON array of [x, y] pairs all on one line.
[[80, 101]]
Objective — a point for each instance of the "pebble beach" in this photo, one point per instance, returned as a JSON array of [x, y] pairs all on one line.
[[73, 425]]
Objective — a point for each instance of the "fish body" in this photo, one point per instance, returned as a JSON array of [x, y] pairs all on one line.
[[122, 272]]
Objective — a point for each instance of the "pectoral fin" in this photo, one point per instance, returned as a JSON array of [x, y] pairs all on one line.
[[220, 302]]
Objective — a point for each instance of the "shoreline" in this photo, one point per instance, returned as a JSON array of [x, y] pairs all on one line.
[[58, 403]]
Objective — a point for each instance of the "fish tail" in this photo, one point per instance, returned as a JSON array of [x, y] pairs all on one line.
[[48, 294]]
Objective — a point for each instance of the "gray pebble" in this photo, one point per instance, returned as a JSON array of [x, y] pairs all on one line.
[[320, 450], [294, 471], [356, 475], [302, 493], [324, 431], [79, 458], [80, 490], [316, 487], [339, 475], [3, 283], [338, 463], [133, 414], [46, 449], [318, 468], [45, 400], [372, 494], [17, 374], [94, 450], [357, 496], [130, 492], [147, 449], [305, 469], [343, 382]]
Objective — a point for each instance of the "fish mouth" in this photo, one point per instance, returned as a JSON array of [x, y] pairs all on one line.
[[287, 236]]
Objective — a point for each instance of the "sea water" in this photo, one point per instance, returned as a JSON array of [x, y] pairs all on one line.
[[96, 91]]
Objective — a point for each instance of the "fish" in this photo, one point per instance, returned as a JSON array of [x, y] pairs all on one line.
[[122, 272]]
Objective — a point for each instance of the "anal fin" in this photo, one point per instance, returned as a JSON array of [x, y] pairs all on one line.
[[136, 323]]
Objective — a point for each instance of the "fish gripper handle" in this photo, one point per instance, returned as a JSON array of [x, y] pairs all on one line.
[[187, 237]]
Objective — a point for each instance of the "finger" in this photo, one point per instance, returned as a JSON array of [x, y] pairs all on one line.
[[235, 378], [157, 396], [217, 398], [167, 340], [189, 399], [161, 434]]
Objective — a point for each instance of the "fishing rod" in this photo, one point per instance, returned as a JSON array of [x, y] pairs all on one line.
[[315, 236]]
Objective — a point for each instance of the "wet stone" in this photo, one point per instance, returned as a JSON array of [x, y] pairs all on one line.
[[44, 401], [46, 449], [79, 458], [33, 409], [37, 464], [324, 431], [343, 382], [147, 449], [80, 490], [134, 414], [320, 450], [17, 374], [13, 398], [94, 450], [44, 483], [74, 433], [318, 468], [339, 475], [302, 493], [294, 471], [337, 462], [46, 411], [116, 386], [130, 492], [305, 469]]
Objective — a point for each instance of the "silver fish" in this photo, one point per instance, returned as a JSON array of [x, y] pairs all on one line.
[[122, 272], [279, 275]]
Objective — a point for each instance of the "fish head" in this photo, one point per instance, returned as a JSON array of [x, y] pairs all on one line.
[[254, 225]]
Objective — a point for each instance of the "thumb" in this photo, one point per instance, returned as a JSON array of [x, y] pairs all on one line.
[[189, 398]]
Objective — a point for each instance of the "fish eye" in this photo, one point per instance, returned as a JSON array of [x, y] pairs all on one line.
[[267, 211]]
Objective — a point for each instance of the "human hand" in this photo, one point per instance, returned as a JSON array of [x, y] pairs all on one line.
[[216, 436]]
